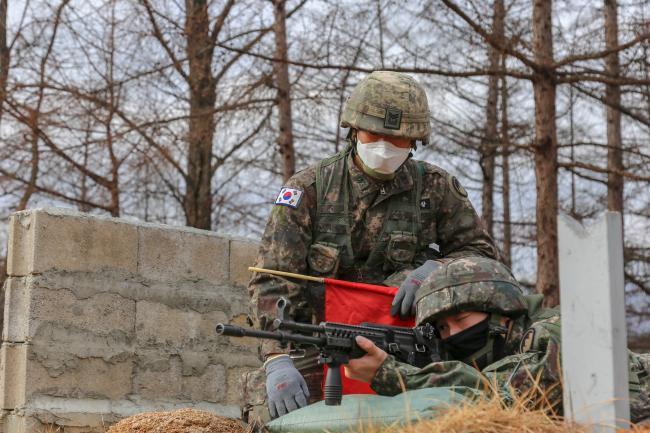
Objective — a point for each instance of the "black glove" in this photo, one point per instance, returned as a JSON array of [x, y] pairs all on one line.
[[286, 389], [404, 301]]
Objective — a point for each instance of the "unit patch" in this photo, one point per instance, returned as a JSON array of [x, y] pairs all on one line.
[[393, 118], [527, 341], [289, 197], [458, 187]]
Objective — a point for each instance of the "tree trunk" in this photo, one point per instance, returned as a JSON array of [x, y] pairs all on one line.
[[281, 71], [613, 97], [198, 197], [33, 122], [545, 148], [490, 140], [505, 171], [4, 54]]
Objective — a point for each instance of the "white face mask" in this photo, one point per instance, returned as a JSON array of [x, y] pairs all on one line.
[[382, 156]]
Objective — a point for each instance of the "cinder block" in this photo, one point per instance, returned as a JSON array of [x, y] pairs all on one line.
[[60, 347], [194, 363], [159, 385], [209, 386], [16, 313], [167, 254], [158, 324], [13, 370], [81, 378], [28, 305], [50, 239], [242, 255], [101, 314], [20, 245]]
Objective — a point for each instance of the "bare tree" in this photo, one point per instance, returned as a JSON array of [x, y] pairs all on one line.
[[613, 97], [281, 72], [506, 249], [545, 147], [4, 54], [33, 114], [202, 87], [491, 141]]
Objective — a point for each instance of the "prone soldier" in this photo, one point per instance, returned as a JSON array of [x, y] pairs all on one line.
[[497, 340]]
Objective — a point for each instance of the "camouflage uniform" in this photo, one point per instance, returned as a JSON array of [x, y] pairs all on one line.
[[352, 227], [529, 359]]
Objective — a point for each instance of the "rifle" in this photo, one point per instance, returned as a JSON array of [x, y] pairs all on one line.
[[417, 346]]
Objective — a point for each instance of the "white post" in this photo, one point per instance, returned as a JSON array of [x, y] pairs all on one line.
[[594, 337]]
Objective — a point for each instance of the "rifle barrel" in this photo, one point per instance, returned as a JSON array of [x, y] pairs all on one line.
[[238, 331]]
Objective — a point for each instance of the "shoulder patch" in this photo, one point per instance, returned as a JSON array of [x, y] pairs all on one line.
[[458, 187], [289, 197], [527, 341]]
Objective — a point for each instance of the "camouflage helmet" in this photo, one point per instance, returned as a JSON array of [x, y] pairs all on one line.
[[389, 103], [469, 284]]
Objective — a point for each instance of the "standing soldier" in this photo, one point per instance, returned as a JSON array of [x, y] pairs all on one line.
[[369, 214]]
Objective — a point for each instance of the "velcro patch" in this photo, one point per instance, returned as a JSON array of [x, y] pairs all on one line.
[[393, 118], [289, 197]]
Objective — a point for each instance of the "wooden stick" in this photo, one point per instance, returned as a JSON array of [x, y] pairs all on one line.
[[287, 274]]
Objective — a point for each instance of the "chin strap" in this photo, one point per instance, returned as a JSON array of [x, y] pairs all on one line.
[[493, 349]]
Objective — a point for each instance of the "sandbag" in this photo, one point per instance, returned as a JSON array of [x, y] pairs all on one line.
[[360, 412]]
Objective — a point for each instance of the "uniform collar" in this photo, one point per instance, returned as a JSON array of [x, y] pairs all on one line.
[[363, 185]]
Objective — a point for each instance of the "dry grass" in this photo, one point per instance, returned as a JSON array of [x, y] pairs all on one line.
[[490, 416], [177, 421], [536, 410]]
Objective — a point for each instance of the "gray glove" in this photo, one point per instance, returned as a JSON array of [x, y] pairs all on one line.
[[286, 389], [404, 301]]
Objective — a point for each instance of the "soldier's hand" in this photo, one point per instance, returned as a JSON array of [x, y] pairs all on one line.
[[286, 389], [365, 368], [404, 301]]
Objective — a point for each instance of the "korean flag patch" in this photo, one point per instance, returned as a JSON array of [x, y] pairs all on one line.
[[289, 197]]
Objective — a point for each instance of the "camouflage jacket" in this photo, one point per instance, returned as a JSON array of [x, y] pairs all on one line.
[[531, 367], [448, 220]]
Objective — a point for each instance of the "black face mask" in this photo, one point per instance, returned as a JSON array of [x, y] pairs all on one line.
[[468, 341]]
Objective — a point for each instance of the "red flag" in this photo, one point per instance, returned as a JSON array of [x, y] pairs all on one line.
[[354, 303]]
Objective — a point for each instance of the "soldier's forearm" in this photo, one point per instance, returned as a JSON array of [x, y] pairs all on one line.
[[394, 377]]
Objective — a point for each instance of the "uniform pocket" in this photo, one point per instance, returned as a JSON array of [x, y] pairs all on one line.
[[401, 248], [323, 258]]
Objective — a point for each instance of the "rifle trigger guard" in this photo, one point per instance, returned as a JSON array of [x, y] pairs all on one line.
[[420, 348], [282, 304]]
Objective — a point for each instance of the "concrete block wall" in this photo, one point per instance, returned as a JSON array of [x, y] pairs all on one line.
[[104, 318]]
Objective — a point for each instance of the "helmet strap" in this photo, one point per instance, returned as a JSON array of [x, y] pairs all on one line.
[[493, 349]]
